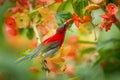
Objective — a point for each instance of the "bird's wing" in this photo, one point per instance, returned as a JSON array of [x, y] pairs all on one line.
[[50, 48], [33, 54]]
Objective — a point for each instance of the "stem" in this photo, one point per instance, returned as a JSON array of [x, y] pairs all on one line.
[[94, 30], [36, 33], [32, 11], [34, 28]]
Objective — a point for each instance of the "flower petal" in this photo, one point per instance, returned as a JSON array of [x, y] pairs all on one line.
[[11, 27], [112, 9], [102, 26], [77, 20], [106, 16], [108, 26]]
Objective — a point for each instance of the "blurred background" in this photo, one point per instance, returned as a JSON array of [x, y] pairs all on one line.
[[86, 54]]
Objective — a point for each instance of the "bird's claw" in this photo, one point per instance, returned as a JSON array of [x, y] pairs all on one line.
[[45, 66]]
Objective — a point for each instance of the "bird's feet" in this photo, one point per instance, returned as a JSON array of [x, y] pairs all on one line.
[[45, 66]]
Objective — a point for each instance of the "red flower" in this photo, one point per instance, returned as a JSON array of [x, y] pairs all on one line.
[[58, 0], [77, 20], [40, 2], [11, 27], [112, 9], [2, 2], [109, 17], [21, 5]]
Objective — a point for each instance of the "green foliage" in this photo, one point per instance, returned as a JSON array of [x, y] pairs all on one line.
[[79, 6], [61, 17], [112, 1], [65, 6], [12, 71], [30, 33], [35, 16], [86, 71], [3, 8], [21, 31], [109, 49], [86, 42], [87, 51]]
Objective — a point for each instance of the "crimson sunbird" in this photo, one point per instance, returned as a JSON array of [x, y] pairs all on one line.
[[50, 45]]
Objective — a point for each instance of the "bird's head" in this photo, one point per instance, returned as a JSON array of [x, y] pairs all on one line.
[[62, 29]]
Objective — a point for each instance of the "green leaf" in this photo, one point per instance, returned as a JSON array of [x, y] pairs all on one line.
[[26, 52], [11, 70], [3, 8], [35, 17], [61, 17], [102, 44], [79, 6], [112, 65], [86, 42], [88, 50], [65, 6], [30, 33], [85, 71], [112, 1], [21, 31], [75, 78]]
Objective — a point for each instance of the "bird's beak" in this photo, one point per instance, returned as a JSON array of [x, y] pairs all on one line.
[[66, 24]]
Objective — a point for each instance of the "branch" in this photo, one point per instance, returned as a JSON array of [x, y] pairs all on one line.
[[32, 11], [34, 28]]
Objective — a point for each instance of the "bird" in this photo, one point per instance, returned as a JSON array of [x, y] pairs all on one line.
[[49, 46]]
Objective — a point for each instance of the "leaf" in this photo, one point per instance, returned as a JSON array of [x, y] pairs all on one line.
[[112, 1], [61, 17], [79, 6], [35, 16], [102, 44], [30, 33], [86, 71], [75, 78], [3, 8], [87, 51], [26, 52], [65, 6], [8, 66], [21, 31], [86, 42]]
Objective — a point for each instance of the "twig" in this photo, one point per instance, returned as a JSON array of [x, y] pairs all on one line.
[[41, 7], [94, 30], [34, 28], [36, 33]]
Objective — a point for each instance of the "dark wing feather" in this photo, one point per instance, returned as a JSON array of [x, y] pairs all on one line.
[[46, 49], [50, 48]]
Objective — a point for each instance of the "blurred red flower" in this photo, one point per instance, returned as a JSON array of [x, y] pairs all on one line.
[[21, 5], [2, 2], [11, 27], [109, 17], [40, 2], [77, 20], [58, 0]]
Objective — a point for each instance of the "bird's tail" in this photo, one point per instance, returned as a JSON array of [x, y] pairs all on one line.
[[33, 54]]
